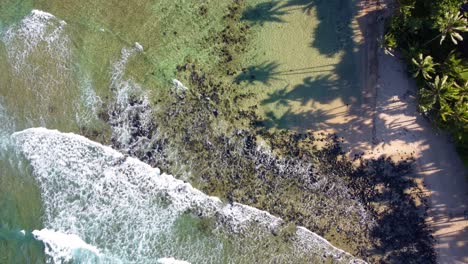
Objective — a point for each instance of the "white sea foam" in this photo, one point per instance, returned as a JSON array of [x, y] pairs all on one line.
[[37, 28], [138, 47], [179, 86], [40, 54], [6, 128], [63, 246], [131, 103], [122, 87], [129, 209], [89, 104]]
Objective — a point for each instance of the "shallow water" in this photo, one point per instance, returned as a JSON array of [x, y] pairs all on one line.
[[304, 65], [66, 198]]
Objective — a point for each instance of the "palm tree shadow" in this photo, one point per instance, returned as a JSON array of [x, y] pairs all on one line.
[[318, 88], [305, 5], [264, 73], [333, 33], [279, 97], [264, 12], [292, 120], [401, 231], [323, 89]]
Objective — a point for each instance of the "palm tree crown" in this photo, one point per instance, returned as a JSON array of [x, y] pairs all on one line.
[[436, 96], [424, 66], [451, 25]]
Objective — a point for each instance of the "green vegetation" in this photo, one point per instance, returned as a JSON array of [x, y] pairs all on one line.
[[451, 25], [424, 66], [439, 67]]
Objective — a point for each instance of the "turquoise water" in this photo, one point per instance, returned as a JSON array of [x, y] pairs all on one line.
[[68, 199]]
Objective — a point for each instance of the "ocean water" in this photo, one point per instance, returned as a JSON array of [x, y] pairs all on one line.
[[65, 198]]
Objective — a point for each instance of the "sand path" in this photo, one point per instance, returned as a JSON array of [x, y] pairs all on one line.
[[401, 132], [389, 124]]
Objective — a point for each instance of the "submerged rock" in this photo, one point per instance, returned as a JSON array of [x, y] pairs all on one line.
[[138, 47]]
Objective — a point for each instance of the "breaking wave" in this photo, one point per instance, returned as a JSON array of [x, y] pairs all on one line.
[[39, 28], [137, 214], [66, 247], [43, 71]]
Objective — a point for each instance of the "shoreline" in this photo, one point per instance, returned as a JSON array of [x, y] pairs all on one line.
[[356, 125], [385, 123]]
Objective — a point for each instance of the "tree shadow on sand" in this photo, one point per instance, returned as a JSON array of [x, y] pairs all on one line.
[[333, 36], [400, 234], [268, 71], [334, 32], [322, 89], [292, 120], [263, 73], [305, 5], [264, 12]]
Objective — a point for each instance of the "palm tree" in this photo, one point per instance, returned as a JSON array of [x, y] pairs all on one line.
[[424, 66], [463, 90], [453, 66], [460, 113], [451, 25], [437, 95], [459, 119]]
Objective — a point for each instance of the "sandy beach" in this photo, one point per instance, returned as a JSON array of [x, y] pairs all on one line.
[[388, 124], [401, 132]]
